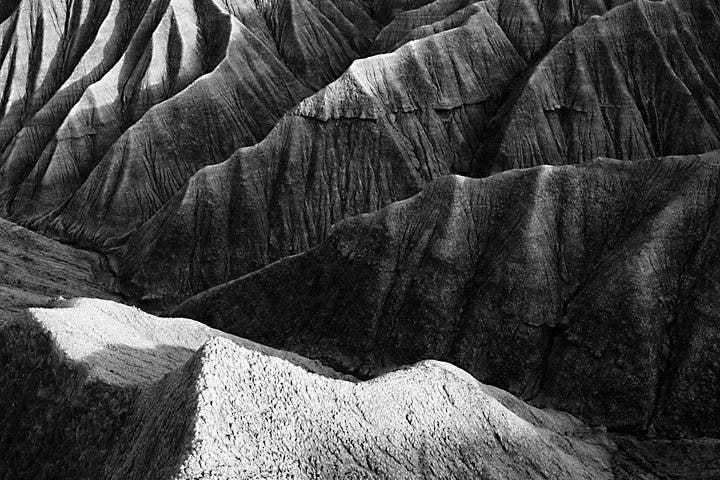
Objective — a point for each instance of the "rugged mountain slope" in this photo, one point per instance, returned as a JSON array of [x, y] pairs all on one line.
[[109, 107], [96, 388], [589, 288], [642, 81], [393, 122], [34, 270], [342, 152], [533, 25]]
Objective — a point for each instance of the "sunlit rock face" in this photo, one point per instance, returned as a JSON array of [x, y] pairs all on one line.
[[172, 398]]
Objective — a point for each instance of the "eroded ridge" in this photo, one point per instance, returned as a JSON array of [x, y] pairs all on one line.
[[97, 388], [588, 288]]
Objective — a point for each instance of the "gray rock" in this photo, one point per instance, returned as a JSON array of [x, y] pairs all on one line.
[[394, 122], [588, 288], [94, 389]]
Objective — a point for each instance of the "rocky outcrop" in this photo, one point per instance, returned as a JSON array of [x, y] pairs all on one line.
[[434, 106], [588, 288], [93, 388]]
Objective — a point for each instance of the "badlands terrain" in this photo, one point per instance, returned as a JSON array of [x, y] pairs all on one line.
[[390, 239]]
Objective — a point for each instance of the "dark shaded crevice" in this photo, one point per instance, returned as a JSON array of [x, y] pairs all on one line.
[[37, 32], [7, 8], [174, 56], [214, 27], [137, 58], [7, 91], [6, 42]]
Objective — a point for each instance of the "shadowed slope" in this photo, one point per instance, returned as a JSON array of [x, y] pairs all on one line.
[[7, 8], [641, 81], [96, 388], [534, 26], [34, 270], [57, 149], [587, 288], [393, 122]]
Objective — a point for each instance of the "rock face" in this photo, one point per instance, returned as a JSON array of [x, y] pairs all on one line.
[[588, 288], [34, 270], [109, 107], [341, 179], [453, 101], [639, 82], [97, 389]]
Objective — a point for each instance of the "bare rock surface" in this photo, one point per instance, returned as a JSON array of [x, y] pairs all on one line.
[[533, 26], [190, 143], [588, 288], [95, 389], [465, 99], [638, 82], [378, 134], [108, 107], [34, 270]]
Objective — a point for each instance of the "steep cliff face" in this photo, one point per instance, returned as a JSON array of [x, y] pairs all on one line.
[[438, 105], [587, 288], [109, 107], [170, 398]]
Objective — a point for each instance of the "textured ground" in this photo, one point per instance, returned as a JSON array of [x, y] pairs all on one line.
[[34, 270], [169, 398], [187, 145], [589, 288], [108, 107], [451, 102]]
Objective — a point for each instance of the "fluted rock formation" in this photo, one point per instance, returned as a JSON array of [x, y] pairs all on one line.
[[109, 107], [379, 133], [434, 106], [639, 82], [96, 389], [589, 288], [533, 26]]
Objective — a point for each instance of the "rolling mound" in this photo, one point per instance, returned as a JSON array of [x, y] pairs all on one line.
[[457, 101], [588, 288], [100, 389]]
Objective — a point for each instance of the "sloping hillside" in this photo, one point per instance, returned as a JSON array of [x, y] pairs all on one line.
[[169, 398], [35, 270], [394, 122], [586, 288], [527, 189], [109, 107]]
